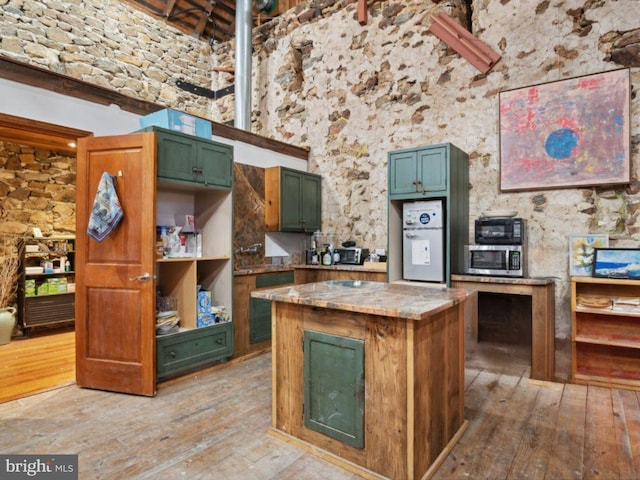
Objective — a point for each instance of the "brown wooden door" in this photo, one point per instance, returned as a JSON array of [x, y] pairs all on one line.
[[115, 303]]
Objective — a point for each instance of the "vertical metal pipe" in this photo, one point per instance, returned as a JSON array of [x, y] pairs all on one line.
[[243, 65]]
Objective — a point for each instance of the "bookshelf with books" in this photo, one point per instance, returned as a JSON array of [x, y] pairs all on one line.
[[605, 332]]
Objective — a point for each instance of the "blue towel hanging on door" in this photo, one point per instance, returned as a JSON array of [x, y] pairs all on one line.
[[106, 212]]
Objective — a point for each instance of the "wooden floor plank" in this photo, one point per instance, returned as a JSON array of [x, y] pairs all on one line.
[[622, 437], [566, 450], [631, 406], [532, 454], [600, 451], [36, 364], [215, 425], [471, 447]]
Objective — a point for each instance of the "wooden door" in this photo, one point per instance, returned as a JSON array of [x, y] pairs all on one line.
[[115, 311]]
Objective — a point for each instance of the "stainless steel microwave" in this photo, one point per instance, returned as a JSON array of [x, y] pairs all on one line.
[[495, 260]]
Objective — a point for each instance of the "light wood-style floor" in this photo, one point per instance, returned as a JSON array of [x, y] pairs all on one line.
[[214, 426], [36, 364]]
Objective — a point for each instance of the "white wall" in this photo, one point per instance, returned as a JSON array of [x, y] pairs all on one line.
[[45, 106]]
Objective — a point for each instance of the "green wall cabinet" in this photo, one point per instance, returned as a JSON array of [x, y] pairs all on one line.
[[193, 160], [334, 386], [438, 171], [421, 172], [293, 200]]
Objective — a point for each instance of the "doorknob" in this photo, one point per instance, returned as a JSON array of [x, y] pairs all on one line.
[[144, 276]]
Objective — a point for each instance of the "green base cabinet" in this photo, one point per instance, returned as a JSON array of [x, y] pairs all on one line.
[[193, 161], [334, 386], [190, 350], [260, 309]]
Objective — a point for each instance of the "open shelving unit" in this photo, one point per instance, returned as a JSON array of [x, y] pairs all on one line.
[[39, 306], [605, 338]]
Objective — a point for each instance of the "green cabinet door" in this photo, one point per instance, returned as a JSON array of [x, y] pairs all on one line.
[[260, 309], [300, 207], [193, 161], [215, 163], [291, 206], [259, 320], [418, 171], [432, 170], [176, 157], [334, 386], [402, 172], [311, 203]]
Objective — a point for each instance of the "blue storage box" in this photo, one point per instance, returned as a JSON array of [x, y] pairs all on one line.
[[178, 121], [205, 319], [204, 302]]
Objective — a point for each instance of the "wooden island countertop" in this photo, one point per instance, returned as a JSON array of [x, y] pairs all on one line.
[[369, 375]]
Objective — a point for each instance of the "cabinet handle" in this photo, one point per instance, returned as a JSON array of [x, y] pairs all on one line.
[[219, 340], [172, 354]]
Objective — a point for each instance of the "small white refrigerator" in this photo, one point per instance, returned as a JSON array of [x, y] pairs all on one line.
[[423, 253]]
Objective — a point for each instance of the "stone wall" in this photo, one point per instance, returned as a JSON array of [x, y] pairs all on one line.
[[37, 189], [108, 43], [352, 93]]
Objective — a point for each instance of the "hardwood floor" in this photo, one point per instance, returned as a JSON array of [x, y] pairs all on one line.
[[214, 425], [36, 364]]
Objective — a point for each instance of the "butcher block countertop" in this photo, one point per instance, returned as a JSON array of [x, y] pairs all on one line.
[[376, 298]]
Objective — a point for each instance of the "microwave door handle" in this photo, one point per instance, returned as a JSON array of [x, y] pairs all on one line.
[[506, 260]]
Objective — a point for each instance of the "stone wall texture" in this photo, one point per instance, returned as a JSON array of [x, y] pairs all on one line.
[[109, 44], [352, 93], [37, 189]]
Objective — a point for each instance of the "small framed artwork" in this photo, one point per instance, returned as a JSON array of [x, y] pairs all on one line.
[[581, 253], [567, 133], [617, 263]]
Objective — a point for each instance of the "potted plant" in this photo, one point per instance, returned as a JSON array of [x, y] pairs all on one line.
[[9, 263]]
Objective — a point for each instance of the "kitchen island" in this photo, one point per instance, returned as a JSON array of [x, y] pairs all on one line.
[[369, 375]]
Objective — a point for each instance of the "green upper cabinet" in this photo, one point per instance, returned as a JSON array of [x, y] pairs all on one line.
[[418, 171], [293, 200], [193, 160]]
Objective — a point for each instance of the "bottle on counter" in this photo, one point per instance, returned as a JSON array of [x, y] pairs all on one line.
[[327, 258]]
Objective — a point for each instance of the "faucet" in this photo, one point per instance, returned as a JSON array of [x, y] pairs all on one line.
[[250, 249]]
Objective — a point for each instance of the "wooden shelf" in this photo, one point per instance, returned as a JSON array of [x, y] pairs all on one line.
[[605, 343], [57, 307]]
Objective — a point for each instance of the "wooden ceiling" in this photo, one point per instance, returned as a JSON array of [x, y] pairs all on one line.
[[211, 20]]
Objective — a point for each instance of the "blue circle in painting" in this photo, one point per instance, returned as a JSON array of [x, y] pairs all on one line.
[[561, 143]]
